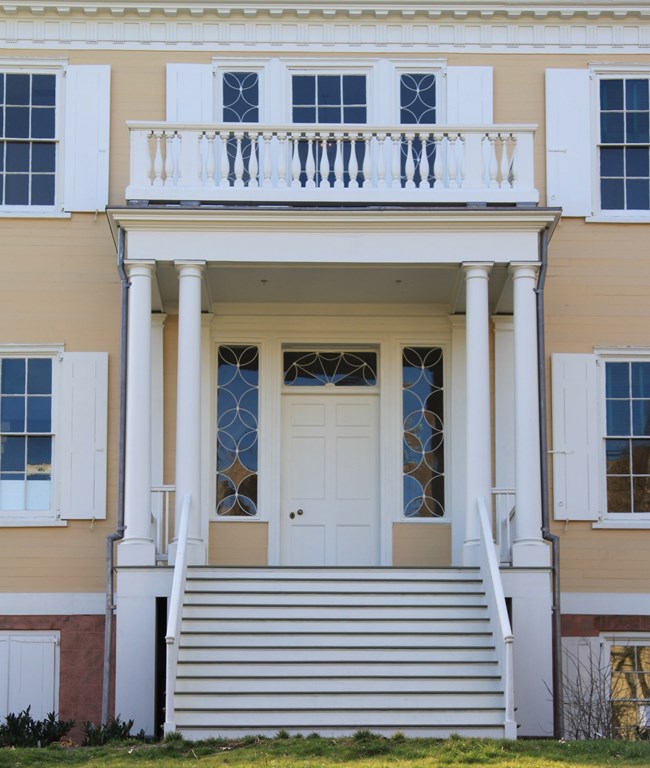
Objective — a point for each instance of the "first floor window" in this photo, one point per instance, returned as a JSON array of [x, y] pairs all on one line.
[[630, 689], [25, 434], [627, 444], [423, 432], [237, 430], [28, 139], [625, 143]]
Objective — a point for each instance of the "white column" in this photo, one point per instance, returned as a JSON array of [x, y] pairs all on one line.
[[457, 433], [528, 546], [188, 404], [479, 437], [138, 548]]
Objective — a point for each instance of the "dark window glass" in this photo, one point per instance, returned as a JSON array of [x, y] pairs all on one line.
[[329, 98], [339, 369], [241, 97], [417, 99]]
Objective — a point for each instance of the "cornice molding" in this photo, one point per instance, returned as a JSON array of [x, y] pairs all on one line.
[[331, 9], [329, 220], [602, 28]]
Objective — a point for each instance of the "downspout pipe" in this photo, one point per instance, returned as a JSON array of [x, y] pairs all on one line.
[[121, 463], [558, 725]]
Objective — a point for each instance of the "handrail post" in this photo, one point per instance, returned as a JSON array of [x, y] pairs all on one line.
[[175, 615]]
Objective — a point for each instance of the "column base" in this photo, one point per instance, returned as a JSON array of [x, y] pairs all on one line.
[[470, 555], [196, 552], [136, 552], [531, 553]]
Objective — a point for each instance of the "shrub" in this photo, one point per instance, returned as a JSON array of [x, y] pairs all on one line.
[[115, 729], [21, 730]]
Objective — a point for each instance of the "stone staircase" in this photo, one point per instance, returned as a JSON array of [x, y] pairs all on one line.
[[334, 651]]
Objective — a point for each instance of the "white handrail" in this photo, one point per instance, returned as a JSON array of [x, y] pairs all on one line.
[[498, 614], [175, 614]]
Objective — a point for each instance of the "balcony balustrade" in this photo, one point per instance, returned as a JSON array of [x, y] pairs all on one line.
[[450, 165]]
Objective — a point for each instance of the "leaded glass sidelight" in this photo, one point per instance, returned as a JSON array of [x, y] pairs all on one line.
[[422, 413], [334, 369], [237, 430]]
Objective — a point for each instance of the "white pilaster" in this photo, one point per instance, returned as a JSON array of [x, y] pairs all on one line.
[[188, 405], [458, 433], [137, 547], [528, 547], [479, 437]]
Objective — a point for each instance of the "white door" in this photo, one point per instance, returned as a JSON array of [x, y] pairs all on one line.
[[330, 480]]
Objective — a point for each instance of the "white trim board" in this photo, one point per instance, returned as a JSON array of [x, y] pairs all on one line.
[[608, 603], [52, 603]]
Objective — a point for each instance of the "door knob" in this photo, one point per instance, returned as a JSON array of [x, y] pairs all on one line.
[[299, 512], [292, 515]]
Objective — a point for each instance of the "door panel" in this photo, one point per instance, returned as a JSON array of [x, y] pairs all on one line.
[[330, 480]]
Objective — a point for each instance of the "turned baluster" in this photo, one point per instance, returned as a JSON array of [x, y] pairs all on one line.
[[381, 161], [239, 160], [324, 167], [493, 168], [338, 163], [225, 159], [409, 164], [452, 166], [504, 165], [169, 160], [209, 160], [514, 169], [295, 161], [366, 166], [353, 164], [437, 162], [310, 165], [267, 163], [253, 163], [157, 161], [461, 159], [282, 160], [424, 162], [396, 160]]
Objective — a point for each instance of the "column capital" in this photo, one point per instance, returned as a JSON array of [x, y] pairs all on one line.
[[139, 268], [503, 322], [477, 268], [189, 267], [524, 269]]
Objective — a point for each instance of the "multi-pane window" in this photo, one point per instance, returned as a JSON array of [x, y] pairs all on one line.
[[627, 443], [237, 430], [27, 139], [630, 690], [25, 434], [417, 94], [241, 97], [330, 369], [625, 143], [329, 99], [423, 431]]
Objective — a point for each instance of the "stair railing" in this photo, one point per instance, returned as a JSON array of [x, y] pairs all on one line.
[[498, 614], [175, 614]]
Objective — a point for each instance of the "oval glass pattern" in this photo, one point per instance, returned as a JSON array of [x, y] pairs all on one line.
[[333, 369]]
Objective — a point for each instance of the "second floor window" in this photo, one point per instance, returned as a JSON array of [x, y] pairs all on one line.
[[417, 94], [27, 139], [241, 97], [329, 99], [625, 143]]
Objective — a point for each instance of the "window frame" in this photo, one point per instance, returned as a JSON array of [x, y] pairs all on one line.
[[56, 67], [435, 67], [614, 519], [220, 67], [599, 72], [625, 638], [51, 517]]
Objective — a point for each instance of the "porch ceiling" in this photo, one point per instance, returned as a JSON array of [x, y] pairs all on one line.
[[439, 285]]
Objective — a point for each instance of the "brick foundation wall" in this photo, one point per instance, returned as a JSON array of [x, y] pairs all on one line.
[[82, 659], [591, 625]]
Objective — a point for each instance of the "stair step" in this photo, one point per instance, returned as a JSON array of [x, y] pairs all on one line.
[[404, 670], [338, 640], [220, 598], [319, 718], [433, 731], [340, 613], [273, 686], [348, 626], [358, 655]]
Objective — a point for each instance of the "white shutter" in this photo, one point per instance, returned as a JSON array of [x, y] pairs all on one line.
[[86, 137], [569, 143], [576, 437], [190, 93], [469, 96], [32, 679], [81, 435]]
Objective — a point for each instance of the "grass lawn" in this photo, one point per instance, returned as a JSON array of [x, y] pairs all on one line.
[[362, 751]]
